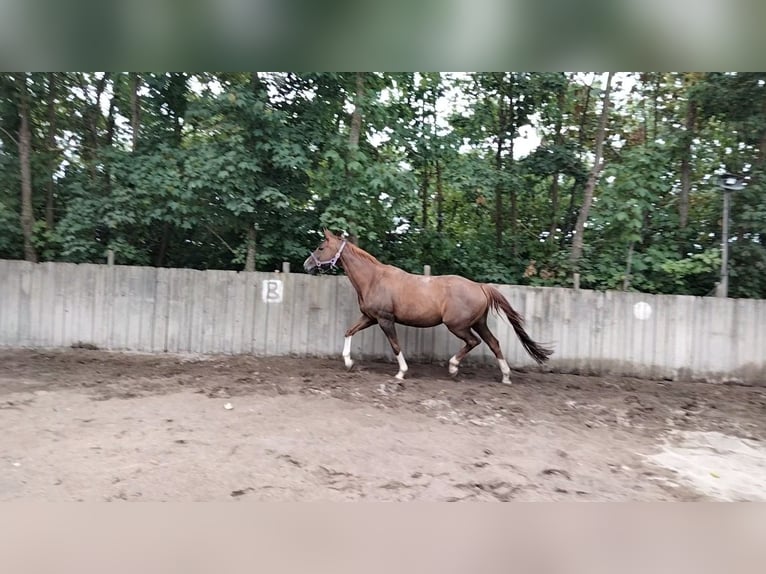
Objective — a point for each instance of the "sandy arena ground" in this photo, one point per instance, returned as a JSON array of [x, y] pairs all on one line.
[[93, 425]]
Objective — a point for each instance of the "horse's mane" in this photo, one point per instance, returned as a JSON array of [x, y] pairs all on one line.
[[359, 252]]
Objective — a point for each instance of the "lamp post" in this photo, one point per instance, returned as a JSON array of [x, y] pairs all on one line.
[[729, 182]]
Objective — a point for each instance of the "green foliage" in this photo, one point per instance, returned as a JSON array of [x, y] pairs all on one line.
[[235, 167]]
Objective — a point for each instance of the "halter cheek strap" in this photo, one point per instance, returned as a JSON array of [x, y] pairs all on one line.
[[330, 262]]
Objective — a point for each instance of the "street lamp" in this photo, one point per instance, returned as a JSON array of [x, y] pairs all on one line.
[[729, 182]]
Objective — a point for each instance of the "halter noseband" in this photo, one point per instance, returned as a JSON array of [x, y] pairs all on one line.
[[330, 262]]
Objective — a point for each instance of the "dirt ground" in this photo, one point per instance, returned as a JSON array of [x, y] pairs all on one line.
[[93, 425]]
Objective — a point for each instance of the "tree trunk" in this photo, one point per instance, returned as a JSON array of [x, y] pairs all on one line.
[[554, 193], [356, 116], [584, 116], [91, 116], [570, 215], [25, 146], [590, 186], [250, 259], [760, 160], [628, 265], [255, 83], [762, 149], [511, 130], [51, 145], [135, 109], [355, 131], [499, 170], [110, 119], [554, 208], [162, 250], [425, 182], [683, 204], [439, 198], [424, 194], [93, 113], [514, 202], [178, 81], [110, 127], [655, 102]]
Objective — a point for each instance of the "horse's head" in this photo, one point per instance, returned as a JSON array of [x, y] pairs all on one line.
[[327, 254]]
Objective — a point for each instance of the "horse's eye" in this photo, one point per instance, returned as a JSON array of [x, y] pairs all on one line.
[[320, 249]]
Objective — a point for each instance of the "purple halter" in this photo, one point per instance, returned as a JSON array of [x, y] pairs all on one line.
[[330, 262]]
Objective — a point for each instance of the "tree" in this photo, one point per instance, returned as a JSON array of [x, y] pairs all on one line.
[[25, 151], [578, 241], [51, 151], [135, 109], [239, 170], [687, 139]]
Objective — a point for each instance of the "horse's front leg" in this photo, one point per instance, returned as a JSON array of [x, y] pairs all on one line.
[[363, 322]]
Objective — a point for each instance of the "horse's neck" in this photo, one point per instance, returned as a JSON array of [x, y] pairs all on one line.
[[360, 270]]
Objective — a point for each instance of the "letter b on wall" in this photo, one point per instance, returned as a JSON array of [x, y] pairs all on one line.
[[272, 290]]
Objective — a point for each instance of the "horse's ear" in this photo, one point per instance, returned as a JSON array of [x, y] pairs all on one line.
[[327, 233]]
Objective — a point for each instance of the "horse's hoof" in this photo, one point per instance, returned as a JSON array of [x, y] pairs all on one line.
[[506, 382], [453, 366], [349, 363]]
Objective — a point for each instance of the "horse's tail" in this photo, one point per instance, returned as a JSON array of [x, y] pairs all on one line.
[[497, 301]]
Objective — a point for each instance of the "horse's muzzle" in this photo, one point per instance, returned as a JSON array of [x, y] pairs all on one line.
[[310, 266]]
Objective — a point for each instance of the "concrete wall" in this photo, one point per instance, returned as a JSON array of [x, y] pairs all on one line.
[[188, 311]]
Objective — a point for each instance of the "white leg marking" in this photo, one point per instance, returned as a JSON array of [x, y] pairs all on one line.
[[402, 366], [347, 353], [506, 370], [453, 364]]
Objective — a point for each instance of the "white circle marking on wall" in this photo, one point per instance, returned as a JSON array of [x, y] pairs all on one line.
[[642, 310]]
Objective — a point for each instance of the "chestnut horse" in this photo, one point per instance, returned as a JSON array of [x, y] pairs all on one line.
[[388, 295]]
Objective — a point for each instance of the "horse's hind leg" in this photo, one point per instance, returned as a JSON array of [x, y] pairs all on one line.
[[388, 327], [471, 341], [491, 341], [363, 322]]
